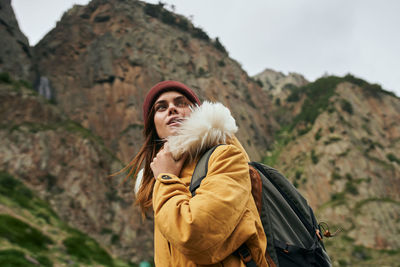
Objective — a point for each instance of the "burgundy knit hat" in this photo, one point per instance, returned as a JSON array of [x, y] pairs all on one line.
[[162, 87]]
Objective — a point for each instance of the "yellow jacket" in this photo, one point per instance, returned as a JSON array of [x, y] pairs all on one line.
[[208, 228]]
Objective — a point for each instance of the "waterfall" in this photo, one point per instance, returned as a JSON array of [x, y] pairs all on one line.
[[44, 87]]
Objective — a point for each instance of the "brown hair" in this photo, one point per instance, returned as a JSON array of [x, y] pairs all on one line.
[[145, 156], [152, 144]]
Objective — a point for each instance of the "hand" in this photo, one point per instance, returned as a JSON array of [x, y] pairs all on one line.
[[165, 163]]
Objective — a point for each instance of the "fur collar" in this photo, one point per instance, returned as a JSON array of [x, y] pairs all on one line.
[[208, 125]]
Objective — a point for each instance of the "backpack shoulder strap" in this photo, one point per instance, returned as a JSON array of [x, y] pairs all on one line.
[[200, 170], [199, 173]]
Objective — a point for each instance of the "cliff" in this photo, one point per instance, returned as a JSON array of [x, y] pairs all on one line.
[[101, 59], [341, 150], [15, 52], [336, 138], [68, 167]]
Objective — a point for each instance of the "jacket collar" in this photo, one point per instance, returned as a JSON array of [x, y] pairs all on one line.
[[208, 125]]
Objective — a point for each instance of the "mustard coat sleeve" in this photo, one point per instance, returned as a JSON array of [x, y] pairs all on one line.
[[198, 226]]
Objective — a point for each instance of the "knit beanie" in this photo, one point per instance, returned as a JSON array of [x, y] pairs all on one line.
[[163, 87]]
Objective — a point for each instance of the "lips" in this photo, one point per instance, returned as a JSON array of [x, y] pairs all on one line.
[[175, 121]]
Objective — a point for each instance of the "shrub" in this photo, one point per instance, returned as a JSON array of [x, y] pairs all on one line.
[[200, 34], [182, 24], [314, 157], [351, 188], [338, 197], [22, 234], [221, 63], [335, 176], [361, 253], [317, 135], [219, 46], [298, 174], [371, 89], [294, 96], [260, 83], [5, 77], [346, 106], [153, 10], [393, 158], [331, 140], [167, 17], [202, 72], [318, 95], [349, 177]]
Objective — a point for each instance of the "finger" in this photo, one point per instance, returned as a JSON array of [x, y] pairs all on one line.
[[182, 159], [166, 146]]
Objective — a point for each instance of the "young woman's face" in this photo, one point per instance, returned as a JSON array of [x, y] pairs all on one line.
[[170, 110]]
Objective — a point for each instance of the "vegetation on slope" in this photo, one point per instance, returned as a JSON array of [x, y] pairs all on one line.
[[32, 234], [158, 11]]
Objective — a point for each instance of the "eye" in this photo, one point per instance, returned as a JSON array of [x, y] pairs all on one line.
[[160, 107], [182, 102]]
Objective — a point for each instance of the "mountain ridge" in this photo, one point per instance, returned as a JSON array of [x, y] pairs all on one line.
[[335, 138]]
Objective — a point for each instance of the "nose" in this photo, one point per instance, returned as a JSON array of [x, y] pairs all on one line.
[[172, 109]]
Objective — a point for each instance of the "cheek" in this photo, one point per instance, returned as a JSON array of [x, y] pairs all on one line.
[[187, 112], [158, 122]]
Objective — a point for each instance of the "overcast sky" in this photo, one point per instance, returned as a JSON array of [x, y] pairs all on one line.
[[310, 37]]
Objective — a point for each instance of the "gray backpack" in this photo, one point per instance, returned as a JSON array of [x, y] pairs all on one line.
[[289, 222]]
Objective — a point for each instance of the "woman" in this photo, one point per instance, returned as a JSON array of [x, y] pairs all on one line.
[[208, 228]]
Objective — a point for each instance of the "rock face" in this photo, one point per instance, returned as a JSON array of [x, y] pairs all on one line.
[[276, 82], [338, 137], [15, 53], [101, 59], [69, 166], [345, 161]]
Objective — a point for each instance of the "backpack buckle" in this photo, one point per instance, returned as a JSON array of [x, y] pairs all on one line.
[[244, 254], [286, 249]]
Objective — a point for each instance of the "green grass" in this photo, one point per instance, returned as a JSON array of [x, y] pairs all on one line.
[[14, 192], [22, 234], [86, 249], [14, 258], [374, 90], [358, 206], [282, 138], [318, 94], [6, 78]]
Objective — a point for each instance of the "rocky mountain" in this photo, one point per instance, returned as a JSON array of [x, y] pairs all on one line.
[[276, 82], [340, 148], [336, 139], [15, 52], [68, 167], [102, 58]]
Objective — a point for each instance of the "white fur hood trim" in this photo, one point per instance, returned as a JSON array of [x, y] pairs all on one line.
[[208, 125], [138, 182]]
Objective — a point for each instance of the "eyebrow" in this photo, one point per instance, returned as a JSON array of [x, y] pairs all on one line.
[[175, 99]]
